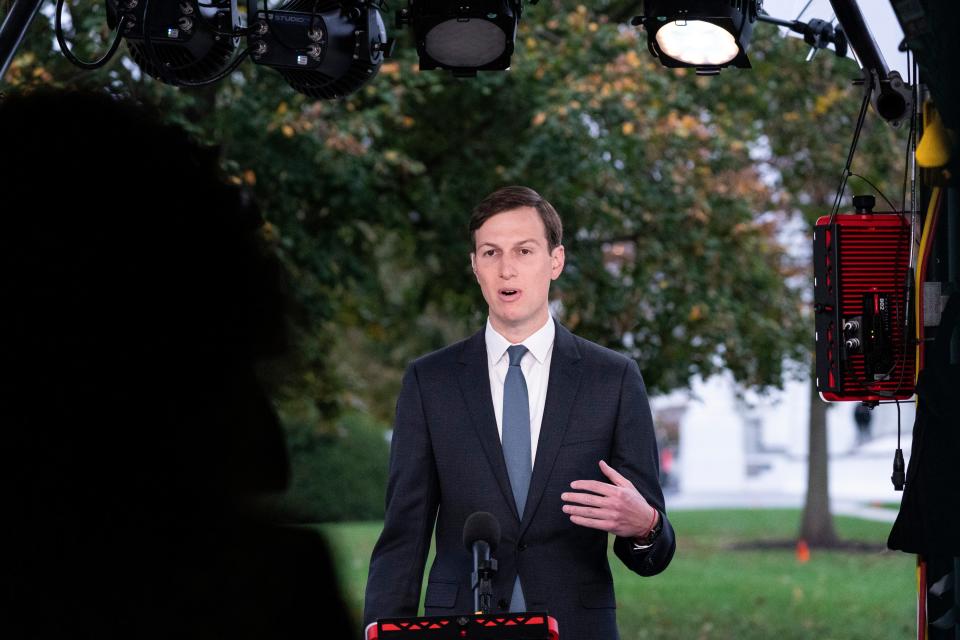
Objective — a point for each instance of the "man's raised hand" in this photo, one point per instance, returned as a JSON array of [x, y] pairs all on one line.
[[617, 508]]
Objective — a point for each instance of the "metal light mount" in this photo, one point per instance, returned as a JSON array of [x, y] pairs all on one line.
[[891, 99], [819, 34], [704, 34], [177, 42], [465, 36], [324, 49]]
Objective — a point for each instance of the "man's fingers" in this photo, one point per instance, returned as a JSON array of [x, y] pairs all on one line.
[[603, 525], [590, 499], [615, 476], [588, 512], [602, 488]]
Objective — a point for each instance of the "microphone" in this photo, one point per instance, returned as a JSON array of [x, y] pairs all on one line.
[[481, 535]]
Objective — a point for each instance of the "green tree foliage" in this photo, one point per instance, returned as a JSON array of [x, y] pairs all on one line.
[[672, 226], [339, 472]]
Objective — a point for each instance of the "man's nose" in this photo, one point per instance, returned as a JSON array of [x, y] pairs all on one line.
[[507, 267]]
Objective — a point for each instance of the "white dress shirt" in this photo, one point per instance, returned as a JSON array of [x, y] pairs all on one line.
[[535, 365]]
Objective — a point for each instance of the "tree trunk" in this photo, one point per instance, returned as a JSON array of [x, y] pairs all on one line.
[[817, 525]]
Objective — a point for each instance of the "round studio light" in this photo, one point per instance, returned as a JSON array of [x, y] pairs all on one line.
[[697, 43], [707, 35], [463, 37], [469, 43]]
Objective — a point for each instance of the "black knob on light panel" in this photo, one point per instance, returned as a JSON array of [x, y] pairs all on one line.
[[864, 204]]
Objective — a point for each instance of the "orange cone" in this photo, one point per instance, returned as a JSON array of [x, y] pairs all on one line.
[[803, 551]]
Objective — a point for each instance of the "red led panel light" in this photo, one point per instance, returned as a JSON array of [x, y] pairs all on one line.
[[511, 626], [863, 340]]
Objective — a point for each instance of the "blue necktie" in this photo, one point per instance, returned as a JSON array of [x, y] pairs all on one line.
[[516, 444], [516, 428]]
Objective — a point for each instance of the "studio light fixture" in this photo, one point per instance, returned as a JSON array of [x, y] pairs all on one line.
[[180, 43], [324, 49], [704, 34], [709, 35], [463, 37]]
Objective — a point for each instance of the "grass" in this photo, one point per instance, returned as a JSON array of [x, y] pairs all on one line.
[[712, 592]]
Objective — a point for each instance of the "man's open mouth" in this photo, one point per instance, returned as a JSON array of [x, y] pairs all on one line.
[[509, 293]]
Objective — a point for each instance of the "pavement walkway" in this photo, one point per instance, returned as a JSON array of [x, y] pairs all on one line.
[[682, 501]]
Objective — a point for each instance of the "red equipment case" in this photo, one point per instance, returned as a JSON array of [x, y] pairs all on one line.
[[864, 350]]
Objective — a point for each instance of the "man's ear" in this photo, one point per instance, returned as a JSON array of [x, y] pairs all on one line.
[[473, 263], [557, 260]]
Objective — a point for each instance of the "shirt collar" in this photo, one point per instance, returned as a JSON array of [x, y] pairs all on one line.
[[538, 344]]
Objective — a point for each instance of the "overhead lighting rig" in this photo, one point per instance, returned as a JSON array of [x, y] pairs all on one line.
[[463, 37], [323, 48]]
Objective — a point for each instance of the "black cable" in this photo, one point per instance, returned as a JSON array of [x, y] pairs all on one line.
[[911, 144], [804, 10], [899, 476], [913, 132], [853, 149], [898, 423], [879, 193], [84, 64]]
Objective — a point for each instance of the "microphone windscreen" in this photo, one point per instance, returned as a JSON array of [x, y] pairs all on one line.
[[481, 526]]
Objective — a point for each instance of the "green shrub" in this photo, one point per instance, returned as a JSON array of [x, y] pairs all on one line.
[[341, 473]]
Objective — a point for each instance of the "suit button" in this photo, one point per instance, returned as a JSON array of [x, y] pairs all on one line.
[[522, 546], [503, 604]]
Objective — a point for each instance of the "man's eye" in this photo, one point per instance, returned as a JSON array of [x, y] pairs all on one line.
[[525, 252], [489, 252]]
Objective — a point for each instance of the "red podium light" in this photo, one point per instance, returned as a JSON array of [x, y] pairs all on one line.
[[511, 626]]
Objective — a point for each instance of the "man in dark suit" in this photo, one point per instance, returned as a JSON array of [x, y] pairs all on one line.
[[550, 433]]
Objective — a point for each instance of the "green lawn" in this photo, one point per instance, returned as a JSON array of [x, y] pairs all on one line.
[[711, 591]]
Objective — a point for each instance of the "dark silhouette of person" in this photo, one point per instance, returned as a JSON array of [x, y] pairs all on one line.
[[862, 416], [139, 445]]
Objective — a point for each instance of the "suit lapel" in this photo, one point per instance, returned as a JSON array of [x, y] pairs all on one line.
[[561, 392], [474, 381]]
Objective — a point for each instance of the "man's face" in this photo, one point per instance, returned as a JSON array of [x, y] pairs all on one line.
[[514, 267]]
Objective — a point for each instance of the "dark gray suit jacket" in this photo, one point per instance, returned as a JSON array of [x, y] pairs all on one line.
[[446, 454]]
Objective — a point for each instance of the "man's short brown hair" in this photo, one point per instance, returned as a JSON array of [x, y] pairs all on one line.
[[515, 197]]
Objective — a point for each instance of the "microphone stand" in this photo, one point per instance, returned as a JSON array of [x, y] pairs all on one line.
[[481, 580]]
